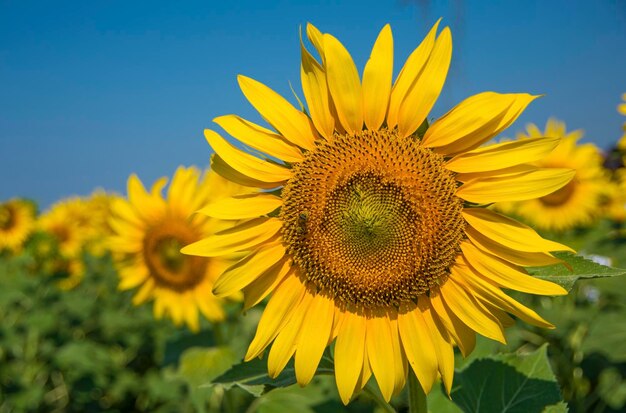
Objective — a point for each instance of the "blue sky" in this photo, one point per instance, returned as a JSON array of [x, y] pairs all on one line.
[[93, 91]]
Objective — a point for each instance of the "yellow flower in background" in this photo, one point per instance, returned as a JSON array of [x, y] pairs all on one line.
[[375, 236], [621, 108], [580, 201], [61, 222], [150, 231], [80, 223], [70, 269], [17, 219], [92, 215], [614, 197]]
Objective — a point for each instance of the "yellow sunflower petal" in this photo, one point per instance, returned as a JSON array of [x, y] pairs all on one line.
[[294, 125], [420, 98], [314, 337], [507, 276], [492, 294], [242, 206], [349, 354], [285, 343], [380, 352], [401, 366], [123, 209], [475, 120], [316, 93], [265, 284], [471, 312], [248, 269], [502, 155], [144, 292], [523, 258], [409, 74], [509, 232], [277, 313], [441, 341], [463, 335], [190, 313], [377, 80], [316, 38], [209, 305], [519, 187], [131, 277], [239, 238], [259, 138], [245, 163], [344, 84], [418, 347], [499, 173], [145, 204], [226, 171]]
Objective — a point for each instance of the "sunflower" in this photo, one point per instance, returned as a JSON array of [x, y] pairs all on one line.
[[61, 222], [374, 235], [149, 231], [614, 205], [580, 201], [17, 219]]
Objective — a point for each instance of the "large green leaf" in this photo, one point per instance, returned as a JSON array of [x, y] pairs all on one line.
[[507, 383], [252, 375], [580, 267]]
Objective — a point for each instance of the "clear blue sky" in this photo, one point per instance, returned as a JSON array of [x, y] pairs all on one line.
[[91, 91]]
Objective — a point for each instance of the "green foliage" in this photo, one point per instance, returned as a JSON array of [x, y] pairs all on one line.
[[577, 268], [507, 383], [87, 349], [253, 377]]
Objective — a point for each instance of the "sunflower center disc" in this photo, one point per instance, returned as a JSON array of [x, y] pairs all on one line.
[[162, 244], [372, 220]]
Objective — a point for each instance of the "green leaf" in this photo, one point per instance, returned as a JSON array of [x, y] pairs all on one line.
[[253, 377], [580, 268], [198, 364], [507, 383]]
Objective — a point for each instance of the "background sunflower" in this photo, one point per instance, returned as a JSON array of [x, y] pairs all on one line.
[[578, 203], [150, 230]]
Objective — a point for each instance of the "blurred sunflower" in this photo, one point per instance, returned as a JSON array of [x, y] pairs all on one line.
[[149, 231], [63, 223], [580, 201], [614, 205], [376, 237], [621, 145], [92, 216], [17, 221]]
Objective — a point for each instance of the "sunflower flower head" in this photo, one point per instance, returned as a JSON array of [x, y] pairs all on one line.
[[149, 231], [374, 236], [17, 221], [580, 201], [63, 222]]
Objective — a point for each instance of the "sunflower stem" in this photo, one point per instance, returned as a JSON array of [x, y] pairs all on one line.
[[378, 398], [417, 397]]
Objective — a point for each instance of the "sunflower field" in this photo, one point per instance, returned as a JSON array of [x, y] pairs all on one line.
[[356, 252]]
